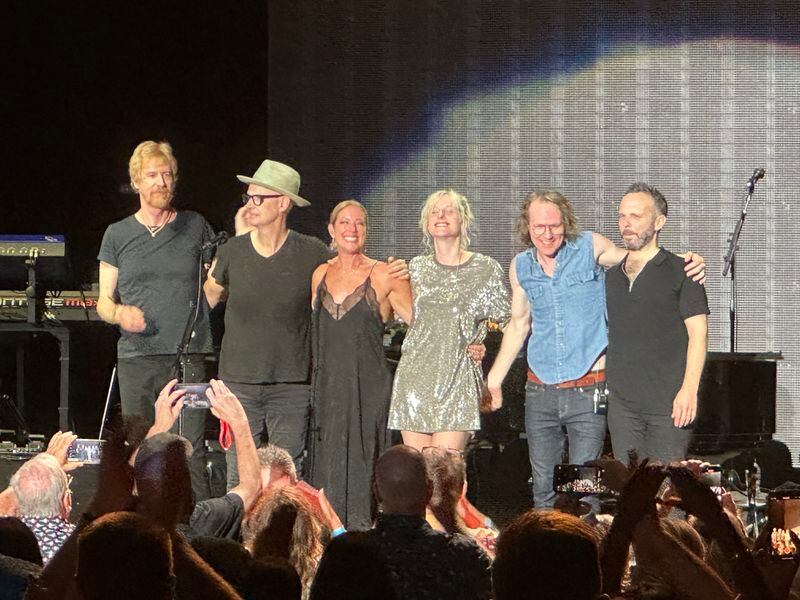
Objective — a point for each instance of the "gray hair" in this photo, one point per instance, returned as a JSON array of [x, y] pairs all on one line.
[[272, 456], [40, 485]]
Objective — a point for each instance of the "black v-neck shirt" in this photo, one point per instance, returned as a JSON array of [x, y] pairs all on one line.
[[268, 312], [647, 337]]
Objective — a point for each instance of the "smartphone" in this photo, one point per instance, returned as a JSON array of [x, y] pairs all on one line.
[[85, 451], [578, 479], [783, 516], [195, 396], [711, 475]]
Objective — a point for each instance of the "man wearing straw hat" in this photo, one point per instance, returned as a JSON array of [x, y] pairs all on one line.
[[264, 275]]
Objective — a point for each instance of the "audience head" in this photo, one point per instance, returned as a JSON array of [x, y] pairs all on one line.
[[17, 541], [273, 578], [162, 478], [42, 488], [546, 555], [227, 557], [283, 524], [124, 556], [353, 567], [402, 483], [277, 467], [448, 475]]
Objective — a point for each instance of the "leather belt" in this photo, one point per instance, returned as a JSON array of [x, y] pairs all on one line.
[[591, 378]]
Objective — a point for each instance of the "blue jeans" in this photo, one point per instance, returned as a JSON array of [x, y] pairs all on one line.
[[548, 412], [280, 408]]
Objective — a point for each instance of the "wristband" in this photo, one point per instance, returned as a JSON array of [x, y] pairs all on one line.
[[338, 531]]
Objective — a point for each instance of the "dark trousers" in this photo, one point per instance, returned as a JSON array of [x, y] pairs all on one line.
[[279, 409], [141, 378], [650, 436]]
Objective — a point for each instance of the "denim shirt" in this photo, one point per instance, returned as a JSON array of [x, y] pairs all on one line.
[[568, 311]]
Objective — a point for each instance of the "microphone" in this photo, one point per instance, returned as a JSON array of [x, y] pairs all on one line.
[[217, 240], [127, 190], [757, 174]]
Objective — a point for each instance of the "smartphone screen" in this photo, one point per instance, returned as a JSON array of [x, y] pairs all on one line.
[[578, 479], [85, 451], [783, 513], [195, 396]]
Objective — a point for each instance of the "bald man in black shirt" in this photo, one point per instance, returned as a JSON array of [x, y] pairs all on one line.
[[657, 322]]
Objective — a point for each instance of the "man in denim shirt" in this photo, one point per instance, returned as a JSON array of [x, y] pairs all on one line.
[[558, 292]]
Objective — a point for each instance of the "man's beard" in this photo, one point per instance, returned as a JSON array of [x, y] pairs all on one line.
[[640, 241], [160, 200]]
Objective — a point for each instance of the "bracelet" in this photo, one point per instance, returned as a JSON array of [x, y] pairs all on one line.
[[338, 531]]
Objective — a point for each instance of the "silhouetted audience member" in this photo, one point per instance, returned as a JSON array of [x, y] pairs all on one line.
[[283, 525], [425, 563], [20, 559], [448, 503], [544, 555], [227, 557], [273, 578], [161, 469], [125, 556], [353, 567]]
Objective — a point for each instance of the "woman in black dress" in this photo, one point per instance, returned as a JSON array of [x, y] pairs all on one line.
[[352, 296]]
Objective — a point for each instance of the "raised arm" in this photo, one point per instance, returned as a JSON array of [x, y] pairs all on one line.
[[213, 290], [684, 407], [606, 253], [129, 318], [226, 407], [514, 336]]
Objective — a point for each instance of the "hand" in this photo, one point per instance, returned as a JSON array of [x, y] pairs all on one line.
[[698, 499], [240, 221], [398, 268], [495, 388], [476, 352], [130, 318], [224, 404], [59, 446], [695, 267], [329, 516], [168, 407], [638, 498], [684, 408], [615, 475]]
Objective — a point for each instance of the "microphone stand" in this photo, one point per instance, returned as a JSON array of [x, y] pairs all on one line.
[[730, 256]]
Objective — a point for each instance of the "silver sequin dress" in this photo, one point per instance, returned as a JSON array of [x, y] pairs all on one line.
[[436, 387]]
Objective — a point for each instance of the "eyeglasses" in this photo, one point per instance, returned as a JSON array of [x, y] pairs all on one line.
[[552, 229], [258, 199]]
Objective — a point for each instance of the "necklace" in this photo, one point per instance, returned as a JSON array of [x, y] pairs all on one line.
[[154, 229]]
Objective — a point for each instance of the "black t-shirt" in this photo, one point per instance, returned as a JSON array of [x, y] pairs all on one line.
[[647, 337], [159, 275], [268, 311], [216, 517]]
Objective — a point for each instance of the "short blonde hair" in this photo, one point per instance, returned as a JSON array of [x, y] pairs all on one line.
[[150, 149], [339, 208], [464, 214]]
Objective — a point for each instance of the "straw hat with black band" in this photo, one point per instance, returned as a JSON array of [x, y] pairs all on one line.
[[277, 177]]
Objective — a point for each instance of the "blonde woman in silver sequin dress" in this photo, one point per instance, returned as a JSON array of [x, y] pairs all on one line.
[[436, 389]]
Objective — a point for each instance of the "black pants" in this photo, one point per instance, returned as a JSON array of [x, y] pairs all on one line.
[[140, 381], [279, 408], [651, 436]]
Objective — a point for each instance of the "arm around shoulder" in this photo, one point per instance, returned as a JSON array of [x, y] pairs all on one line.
[[606, 253]]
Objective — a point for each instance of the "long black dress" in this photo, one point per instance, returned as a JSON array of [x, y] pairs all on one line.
[[350, 394]]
